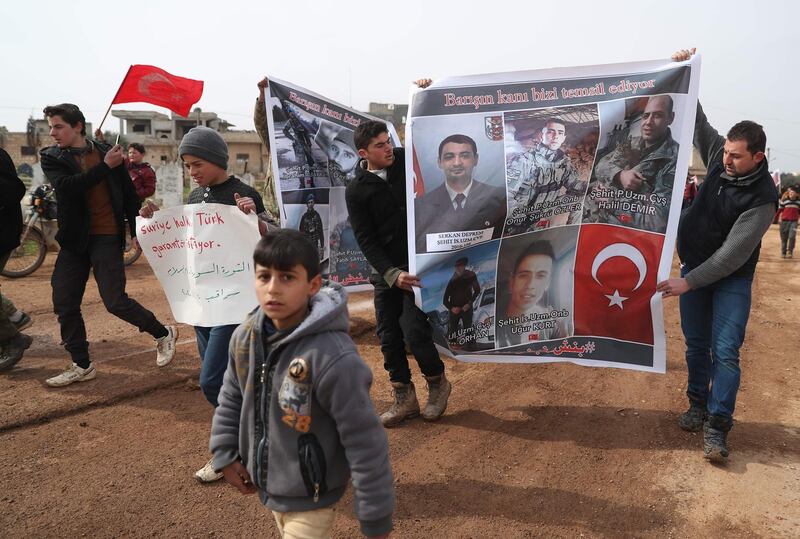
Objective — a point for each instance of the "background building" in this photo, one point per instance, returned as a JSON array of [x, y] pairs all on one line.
[[391, 112], [159, 133]]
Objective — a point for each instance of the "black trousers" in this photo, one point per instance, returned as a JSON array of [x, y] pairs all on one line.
[[465, 317], [70, 275], [399, 322]]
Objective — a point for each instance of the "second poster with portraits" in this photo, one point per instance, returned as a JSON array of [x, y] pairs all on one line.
[[543, 207], [314, 158]]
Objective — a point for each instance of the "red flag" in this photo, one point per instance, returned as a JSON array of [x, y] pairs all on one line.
[[150, 84], [419, 183], [615, 277]]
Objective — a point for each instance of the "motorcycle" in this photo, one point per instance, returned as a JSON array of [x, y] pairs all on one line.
[[30, 254]]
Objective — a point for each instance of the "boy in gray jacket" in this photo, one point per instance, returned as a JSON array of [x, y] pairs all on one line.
[[295, 420]]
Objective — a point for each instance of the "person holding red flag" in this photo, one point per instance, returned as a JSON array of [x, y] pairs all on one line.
[[95, 197], [142, 174], [719, 239]]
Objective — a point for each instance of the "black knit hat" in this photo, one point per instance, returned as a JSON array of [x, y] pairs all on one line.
[[207, 144]]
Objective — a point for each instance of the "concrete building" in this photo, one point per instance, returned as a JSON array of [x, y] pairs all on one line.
[[23, 147], [696, 166], [139, 123], [159, 133], [391, 112]]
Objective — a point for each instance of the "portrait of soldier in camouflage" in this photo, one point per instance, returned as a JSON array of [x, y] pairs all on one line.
[[540, 177], [632, 183]]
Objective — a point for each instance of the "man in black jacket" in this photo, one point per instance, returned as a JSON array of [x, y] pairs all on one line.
[[719, 239], [462, 289], [376, 202], [12, 343], [311, 226], [95, 197]]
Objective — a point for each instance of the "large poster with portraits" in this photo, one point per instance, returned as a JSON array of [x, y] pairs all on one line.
[[543, 207], [313, 159]]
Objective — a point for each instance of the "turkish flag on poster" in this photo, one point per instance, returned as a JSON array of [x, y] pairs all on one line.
[[615, 277], [150, 84], [419, 183]]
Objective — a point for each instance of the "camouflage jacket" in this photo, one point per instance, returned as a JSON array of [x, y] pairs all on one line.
[[270, 200], [539, 175], [658, 168]]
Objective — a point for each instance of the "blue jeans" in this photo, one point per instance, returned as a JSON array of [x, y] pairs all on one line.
[[212, 343], [788, 234], [714, 319]]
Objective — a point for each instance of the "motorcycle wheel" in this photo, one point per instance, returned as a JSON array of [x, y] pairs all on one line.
[[130, 255], [26, 258]]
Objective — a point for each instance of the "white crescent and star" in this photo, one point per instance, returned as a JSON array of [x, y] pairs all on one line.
[[624, 250], [150, 79]]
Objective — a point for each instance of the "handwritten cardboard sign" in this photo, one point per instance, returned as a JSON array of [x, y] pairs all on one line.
[[202, 255]]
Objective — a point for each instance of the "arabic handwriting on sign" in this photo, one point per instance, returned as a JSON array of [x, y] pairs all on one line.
[[353, 279], [214, 269], [229, 295], [566, 348], [175, 270], [189, 294]]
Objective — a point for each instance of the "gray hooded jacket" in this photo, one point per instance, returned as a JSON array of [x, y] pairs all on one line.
[[321, 426]]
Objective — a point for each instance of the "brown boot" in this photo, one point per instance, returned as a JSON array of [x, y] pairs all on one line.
[[439, 388], [405, 405]]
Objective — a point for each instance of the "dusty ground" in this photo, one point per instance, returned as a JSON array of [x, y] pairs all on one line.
[[524, 451]]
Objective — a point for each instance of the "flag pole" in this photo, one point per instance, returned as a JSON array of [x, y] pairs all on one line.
[[114, 98]]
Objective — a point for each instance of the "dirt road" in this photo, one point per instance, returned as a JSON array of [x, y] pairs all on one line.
[[524, 451]]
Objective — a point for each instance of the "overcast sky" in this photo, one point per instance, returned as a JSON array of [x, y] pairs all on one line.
[[361, 51]]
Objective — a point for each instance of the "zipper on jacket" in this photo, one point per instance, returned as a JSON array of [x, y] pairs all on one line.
[[265, 426], [264, 420], [316, 492]]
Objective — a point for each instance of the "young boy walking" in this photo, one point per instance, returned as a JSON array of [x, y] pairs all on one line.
[[205, 155], [295, 420]]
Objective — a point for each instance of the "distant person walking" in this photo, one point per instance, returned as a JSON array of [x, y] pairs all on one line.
[[789, 216]]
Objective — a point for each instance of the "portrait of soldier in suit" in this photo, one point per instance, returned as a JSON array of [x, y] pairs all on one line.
[[461, 204]]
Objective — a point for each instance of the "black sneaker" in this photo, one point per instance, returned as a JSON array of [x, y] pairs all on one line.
[[715, 448], [692, 419], [13, 349], [24, 322]]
